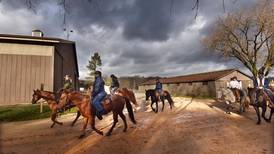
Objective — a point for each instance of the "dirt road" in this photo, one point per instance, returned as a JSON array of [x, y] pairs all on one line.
[[193, 126]]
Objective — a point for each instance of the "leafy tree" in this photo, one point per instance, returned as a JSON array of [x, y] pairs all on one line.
[[248, 36], [94, 62]]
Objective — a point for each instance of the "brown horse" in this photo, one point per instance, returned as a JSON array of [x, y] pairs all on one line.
[[49, 97], [82, 102], [128, 95]]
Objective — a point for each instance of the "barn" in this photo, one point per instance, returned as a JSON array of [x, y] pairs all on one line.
[[31, 62], [205, 84]]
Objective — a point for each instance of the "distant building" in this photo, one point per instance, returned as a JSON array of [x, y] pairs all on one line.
[[201, 84], [29, 62]]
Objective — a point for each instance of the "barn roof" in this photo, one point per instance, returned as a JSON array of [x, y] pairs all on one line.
[[199, 77], [33, 38]]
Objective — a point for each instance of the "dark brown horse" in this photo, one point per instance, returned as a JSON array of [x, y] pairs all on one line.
[[49, 97], [151, 93], [259, 99], [82, 102]]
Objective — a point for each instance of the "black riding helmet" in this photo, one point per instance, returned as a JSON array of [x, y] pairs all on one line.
[[98, 73]]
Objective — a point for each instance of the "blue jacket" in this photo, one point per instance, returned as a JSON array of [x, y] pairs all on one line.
[[158, 86], [98, 86]]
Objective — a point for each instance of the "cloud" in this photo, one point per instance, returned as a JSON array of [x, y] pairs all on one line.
[[133, 37]]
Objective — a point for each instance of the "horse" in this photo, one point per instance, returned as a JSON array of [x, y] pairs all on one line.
[[154, 99], [128, 95], [49, 97], [114, 103], [229, 98], [259, 99]]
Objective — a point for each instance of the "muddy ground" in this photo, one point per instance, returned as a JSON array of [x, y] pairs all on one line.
[[194, 126]]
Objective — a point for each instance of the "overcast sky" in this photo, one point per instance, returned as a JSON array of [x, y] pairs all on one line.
[[133, 37]]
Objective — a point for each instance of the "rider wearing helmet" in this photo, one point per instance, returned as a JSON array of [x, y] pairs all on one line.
[[114, 84], [98, 94]]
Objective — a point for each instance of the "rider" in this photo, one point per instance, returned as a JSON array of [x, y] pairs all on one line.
[[114, 84], [98, 94], [159, 88], [67, 86], [68, 83], [235, 84], [264, 84]]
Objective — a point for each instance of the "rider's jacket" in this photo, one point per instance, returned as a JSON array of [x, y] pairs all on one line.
[[98, 86]]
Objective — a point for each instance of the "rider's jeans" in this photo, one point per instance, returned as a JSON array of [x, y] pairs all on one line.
[[97, 101]]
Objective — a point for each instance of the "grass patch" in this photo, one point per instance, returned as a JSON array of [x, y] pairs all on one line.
[[26, 112]]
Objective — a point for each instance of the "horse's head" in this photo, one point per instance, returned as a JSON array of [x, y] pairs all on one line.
[[64, 97], [35, 96], [147, 94], [260, 95]]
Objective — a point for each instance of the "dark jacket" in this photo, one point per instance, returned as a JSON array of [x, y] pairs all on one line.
[[98, 86], [115, 83], [159, 86]]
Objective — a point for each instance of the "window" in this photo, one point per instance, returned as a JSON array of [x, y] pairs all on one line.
[[190, 83], [205, 83]]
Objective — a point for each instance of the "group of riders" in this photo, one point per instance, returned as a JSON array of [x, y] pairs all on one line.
[[261, 82], [98, 92]]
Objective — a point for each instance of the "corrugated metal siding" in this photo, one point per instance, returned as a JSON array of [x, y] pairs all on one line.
[[20, 74]]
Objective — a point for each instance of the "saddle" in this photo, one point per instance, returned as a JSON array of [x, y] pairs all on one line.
[[107, 103]]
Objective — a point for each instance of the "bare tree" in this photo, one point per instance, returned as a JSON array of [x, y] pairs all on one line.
[[248, 36]]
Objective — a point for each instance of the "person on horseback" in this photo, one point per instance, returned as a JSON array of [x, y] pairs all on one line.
[[235, 85], [114, 84], [68, 83], [98, 94], [263, 83], [67, 86], [159, 88]]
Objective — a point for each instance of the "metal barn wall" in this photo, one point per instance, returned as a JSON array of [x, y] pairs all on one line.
[[24, 68], [64, 55]]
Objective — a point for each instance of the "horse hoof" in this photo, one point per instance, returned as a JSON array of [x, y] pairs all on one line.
[[258, 123], [108, 134], [101, 133], [268, 121], [81, 136], [124, 130], [61, 123]]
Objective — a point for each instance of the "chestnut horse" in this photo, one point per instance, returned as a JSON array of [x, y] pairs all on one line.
[[82, 102], [128, 95], [49, 97]]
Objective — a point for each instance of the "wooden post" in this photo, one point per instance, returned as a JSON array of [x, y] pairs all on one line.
[[41, 103]]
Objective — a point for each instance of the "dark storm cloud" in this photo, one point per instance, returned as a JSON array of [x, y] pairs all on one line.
[[133, 37]]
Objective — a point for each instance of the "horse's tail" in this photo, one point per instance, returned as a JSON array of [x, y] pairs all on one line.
[[131, 95], [169, 99], [130, 111]]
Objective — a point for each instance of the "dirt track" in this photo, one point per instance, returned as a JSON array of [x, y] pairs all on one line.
[[194, 126]]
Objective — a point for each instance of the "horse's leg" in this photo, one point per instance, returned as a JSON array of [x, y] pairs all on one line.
[[77, 116], [151, 105], [53, 118], [156, 110], [270, 115], [264, 108], [84, 128], [163, 101], [115, 120], [92, 123], [121, 114], [258, 114]]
